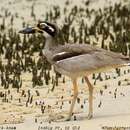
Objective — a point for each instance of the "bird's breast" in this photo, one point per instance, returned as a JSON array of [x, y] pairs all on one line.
[[48, 54]]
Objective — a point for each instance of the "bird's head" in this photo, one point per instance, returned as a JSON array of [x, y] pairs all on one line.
[[42, 26]]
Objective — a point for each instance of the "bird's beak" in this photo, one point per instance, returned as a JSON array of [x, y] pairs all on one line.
[[31, 30]]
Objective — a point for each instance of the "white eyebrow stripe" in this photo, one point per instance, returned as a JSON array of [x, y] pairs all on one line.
[[52, 29], [44, 24]]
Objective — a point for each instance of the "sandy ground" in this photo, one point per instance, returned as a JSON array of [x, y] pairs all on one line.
[[112, 112]]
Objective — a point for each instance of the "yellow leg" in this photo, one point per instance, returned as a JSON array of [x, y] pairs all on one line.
[[74, 98], [90, 88]]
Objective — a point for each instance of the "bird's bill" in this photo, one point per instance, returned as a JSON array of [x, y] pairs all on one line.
[[31, 30]]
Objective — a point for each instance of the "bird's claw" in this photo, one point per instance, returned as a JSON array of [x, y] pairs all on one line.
[[61, 118]]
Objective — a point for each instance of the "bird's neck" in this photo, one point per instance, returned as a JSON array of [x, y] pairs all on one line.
[[53, 42], [50, 43], [50, 48]]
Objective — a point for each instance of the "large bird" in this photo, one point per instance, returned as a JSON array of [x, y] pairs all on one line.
[[75, 60]]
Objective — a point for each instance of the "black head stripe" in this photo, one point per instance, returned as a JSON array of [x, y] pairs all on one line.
[[48, 27], [51, 29]]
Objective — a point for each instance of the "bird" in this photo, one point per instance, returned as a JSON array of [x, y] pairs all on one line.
[[75, 60]]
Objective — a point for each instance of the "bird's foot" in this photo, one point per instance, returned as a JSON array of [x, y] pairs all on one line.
[[90, 115], [61, 118]]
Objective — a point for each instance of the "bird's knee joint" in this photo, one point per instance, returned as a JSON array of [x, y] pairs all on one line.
[[75, 94], [91, 89]]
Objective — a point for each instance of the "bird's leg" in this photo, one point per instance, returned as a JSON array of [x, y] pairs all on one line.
[[61, 118], [90, 88], [74, 98]]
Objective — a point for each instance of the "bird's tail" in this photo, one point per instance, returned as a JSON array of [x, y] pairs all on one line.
[[126, 64]]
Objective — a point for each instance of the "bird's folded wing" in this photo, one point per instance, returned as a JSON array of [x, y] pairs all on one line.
[[79, 48], [92, 58], [71, 50], [65, 55]]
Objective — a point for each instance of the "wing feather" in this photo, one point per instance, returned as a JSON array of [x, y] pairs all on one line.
[[64, 55], [91, 61]]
